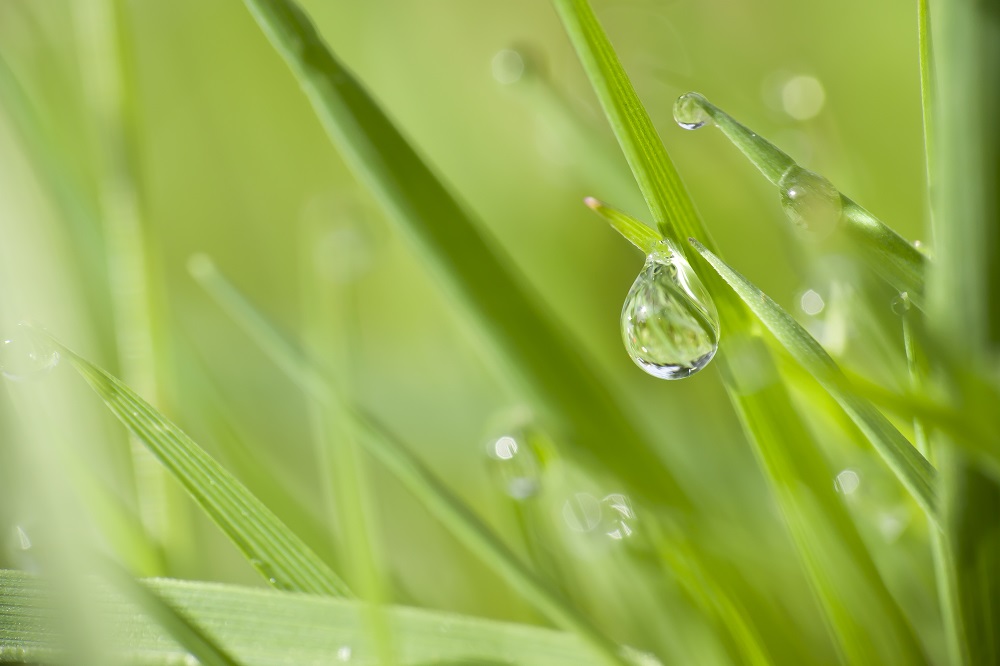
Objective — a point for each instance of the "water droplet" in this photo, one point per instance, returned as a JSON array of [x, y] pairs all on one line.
[[191, 660], [892, 524], [810, 200], [638, 657], [669, 322], [802, 97], [582, 512], [619, 516], [691, 111], [514, 463], [507, 66], [344, 254], [901, 304], [847, 482], [811, 302], [26, 355], [344, 653]]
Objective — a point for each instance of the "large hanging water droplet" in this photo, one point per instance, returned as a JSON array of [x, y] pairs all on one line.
[[26, 355], [691, 111], [810, 200], [669, 322]]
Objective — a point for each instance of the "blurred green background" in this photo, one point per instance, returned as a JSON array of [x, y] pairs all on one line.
[[230, 161]]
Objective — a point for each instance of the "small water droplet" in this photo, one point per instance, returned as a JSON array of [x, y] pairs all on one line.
[[26, 355], [691, 111], [892, 524], [514, 461], [669, 322], [22, 540], [901, 304], [847, 482], [802, 97], [618, 515], [344, 653], [507, 66], [811, 302], [810, 200]]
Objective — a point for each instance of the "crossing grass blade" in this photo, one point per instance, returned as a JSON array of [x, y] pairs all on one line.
[[910, 467], [280, 556], [540, 356]]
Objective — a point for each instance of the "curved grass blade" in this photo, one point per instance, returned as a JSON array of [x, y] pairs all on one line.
[[270, 628], [537, 353], [635, 232], [314, 378], [886, 252], [912, 469], [273, 550]]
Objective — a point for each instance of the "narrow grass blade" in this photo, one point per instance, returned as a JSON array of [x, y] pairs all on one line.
[[315, 379], [174, 622], [665, 194], [912, 469], [631, 229], [533, 350], [870, 629], [886, 252], [272, 549], [270, 628]]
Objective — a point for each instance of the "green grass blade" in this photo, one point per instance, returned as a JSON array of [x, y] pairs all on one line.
[[315, 379], [174, 622], [665, 194], [270, 628], [886, 252], [870, 629], [540, 355], [912, 469], [632, 230], [273, 550]]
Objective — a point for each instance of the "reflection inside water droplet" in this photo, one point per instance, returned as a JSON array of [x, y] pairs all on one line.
[[901, 304], [26, 355], [810, 201], [618, 516], [670, 326], [691, 111]]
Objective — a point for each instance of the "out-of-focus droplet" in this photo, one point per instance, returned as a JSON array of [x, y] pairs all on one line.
[[344, 254], [892, 524], [810, 201], [638, 657], [847, 482], [691, 111], [669, 323], [811, 302], [344, 653], [507, 66], [514, 463], [618, 516], [22, 540], [901, 304], [802, 97], [26, 355], [582, 512]]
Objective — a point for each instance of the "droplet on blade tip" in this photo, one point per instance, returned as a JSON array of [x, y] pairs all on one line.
[[691, 111], [669, 323], [901, 303], [27, 355]]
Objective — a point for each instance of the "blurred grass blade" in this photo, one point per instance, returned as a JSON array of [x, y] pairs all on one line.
[[174, 622], [269, 628], [540, 355], [631, 229], [912, 469], [886, 252], [315, 379], [272, 549]]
